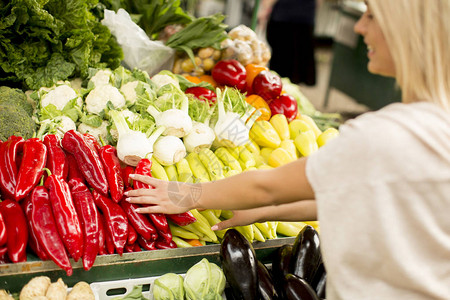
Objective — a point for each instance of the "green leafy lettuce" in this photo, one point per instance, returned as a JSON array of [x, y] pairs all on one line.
[[43, 41]]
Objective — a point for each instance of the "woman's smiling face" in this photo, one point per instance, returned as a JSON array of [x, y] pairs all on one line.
[[380, 59]]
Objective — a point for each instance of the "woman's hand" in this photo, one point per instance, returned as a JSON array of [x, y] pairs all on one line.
[[240, 218], [166, 197]]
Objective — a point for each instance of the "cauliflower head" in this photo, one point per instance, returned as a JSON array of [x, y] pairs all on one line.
[[97, 99], [101, 131], [60, 96]]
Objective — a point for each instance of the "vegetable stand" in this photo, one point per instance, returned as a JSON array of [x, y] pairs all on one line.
[[130, 265]]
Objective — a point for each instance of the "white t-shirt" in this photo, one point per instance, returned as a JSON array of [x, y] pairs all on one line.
[[383, 196]]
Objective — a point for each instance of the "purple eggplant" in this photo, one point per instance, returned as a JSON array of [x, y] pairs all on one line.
[[280, 267], [239, 265], [306, 257], [266, 286], [297, 288]]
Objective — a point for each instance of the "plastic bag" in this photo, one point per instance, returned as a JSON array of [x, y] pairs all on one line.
[[139, 51]]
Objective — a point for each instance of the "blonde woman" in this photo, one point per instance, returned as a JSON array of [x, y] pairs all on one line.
[[381, 190]]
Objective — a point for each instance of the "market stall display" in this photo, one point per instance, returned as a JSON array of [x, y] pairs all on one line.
[[74, 138]]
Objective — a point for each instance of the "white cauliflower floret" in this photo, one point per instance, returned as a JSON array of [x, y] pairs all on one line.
[[129, 90], [66, 124], [161, 80], [59, 125], [60, 96], [97, 99], [101, 131], [100, 78]]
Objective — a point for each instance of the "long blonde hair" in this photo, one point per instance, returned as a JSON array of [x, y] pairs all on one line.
[[418, 35]]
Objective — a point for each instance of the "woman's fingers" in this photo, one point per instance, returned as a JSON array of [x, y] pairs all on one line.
[[145, 179], [224, 225]]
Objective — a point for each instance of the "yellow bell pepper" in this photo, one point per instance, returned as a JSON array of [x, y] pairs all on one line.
[[265, 135], [289, 146], [259, 160], [281, 125], [252, 147], [311, 124], [158, 170], [265, 153], [326, 136], [306, 143], [279, 157], [296, 126]]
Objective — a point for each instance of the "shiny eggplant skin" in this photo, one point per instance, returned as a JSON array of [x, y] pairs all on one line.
[[306, 257], [297, 288], [265, 283], [280, 267], [239, 265], [321, 286]]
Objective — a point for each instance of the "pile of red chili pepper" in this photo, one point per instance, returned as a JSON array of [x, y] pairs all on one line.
[[64, 199]]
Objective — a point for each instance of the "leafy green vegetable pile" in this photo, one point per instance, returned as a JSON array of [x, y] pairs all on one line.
[[44, 41]]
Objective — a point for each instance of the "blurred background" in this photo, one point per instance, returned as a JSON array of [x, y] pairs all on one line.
[[343, 83]]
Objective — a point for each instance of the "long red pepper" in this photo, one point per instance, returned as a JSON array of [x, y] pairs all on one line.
[[90, 138], [144, 167], [33, 242], [146, 244], [109, 244], [163, 244], [140, 222], [101, 235], [87, 159], [8, 165], [129, 248], [88, 215], [116, 220], [31, 168], [113, 171], [182, 219], [4, 255], [44, 226], [74, 171], [132, 234], [66, 217], [126, 175], [56, 160], [17, 231], [3, 235], [137, 248]]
